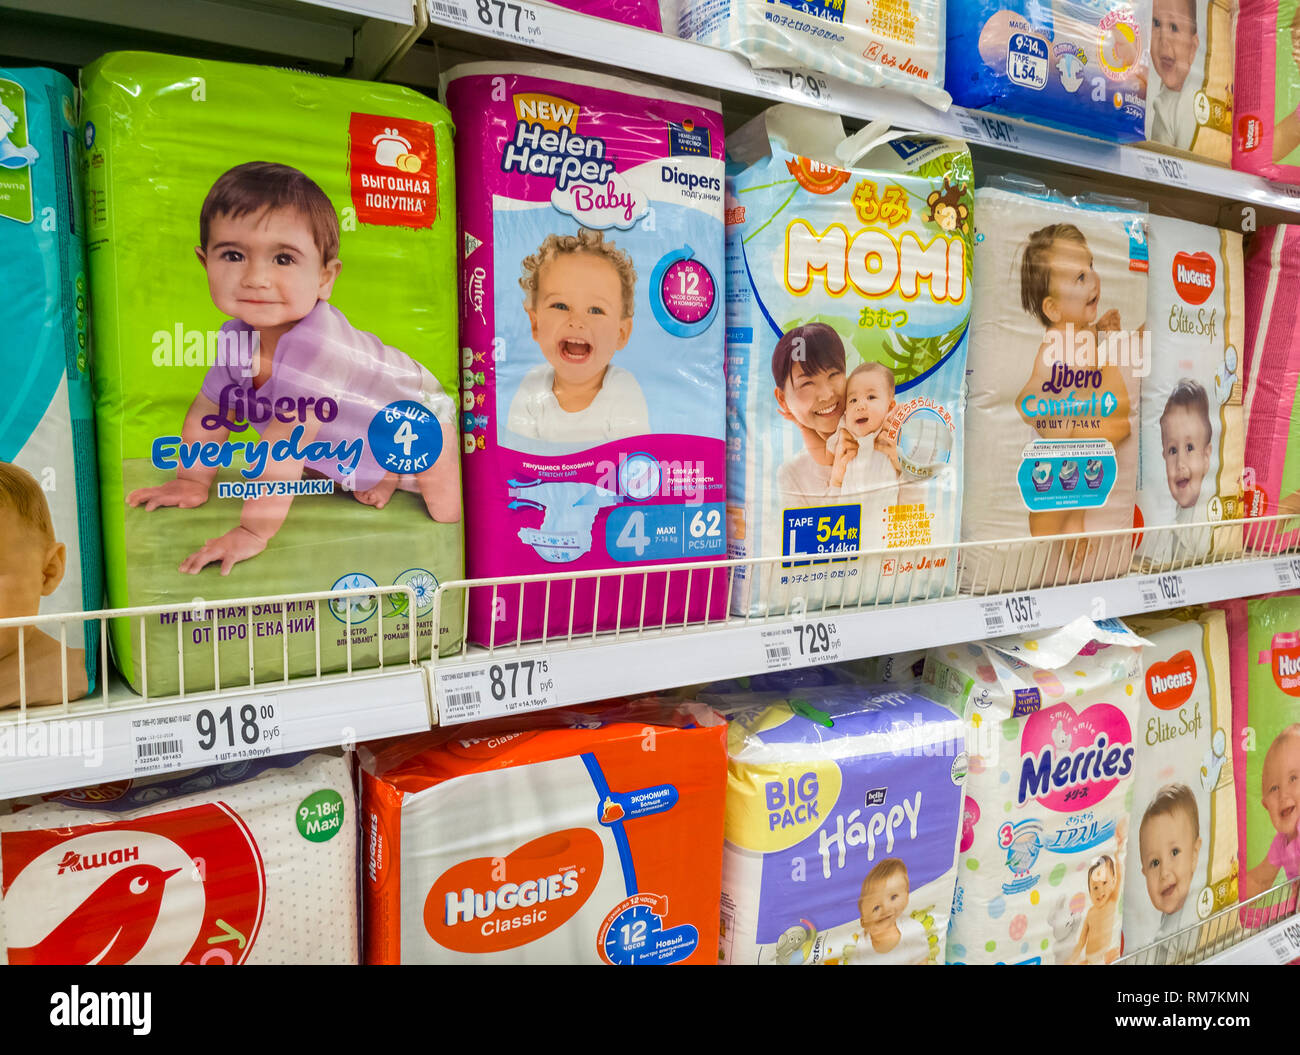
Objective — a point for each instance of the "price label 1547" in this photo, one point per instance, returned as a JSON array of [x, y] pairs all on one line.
[[494, 689]]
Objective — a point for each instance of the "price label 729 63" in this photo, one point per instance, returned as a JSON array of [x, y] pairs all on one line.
[[493, 689], [804, 643], [808, 87]]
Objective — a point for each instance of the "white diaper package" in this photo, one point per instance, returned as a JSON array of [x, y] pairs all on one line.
[[1182, 857], [1060, 299], [1192, 433], [843, 811], [252, 862], [876, 43], [1050, 732], [1190, 77]]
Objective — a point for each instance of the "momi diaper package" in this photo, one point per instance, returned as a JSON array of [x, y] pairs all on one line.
[[843, 811], [1192, 433], [1266, 137], [1051, 728], [594, 400], [848, 298], [1075, 64], [1192, 47], [1056, 341], [565, 837], [275, 361], [1182, 854], [249, 863], [895, 44], [50, 558]]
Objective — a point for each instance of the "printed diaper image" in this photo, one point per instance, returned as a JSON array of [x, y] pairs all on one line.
[[50, 559], [1182, 858], [1051, 730], [1070, 409], [247, 863], [843, 814], [1190, 57], [849, 276], [1080, 65], [591, 274], [1192, 433], [578, 836], [1266, 128], [298, 405]]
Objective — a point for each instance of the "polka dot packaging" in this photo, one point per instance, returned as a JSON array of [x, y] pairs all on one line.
[[1050, 733]]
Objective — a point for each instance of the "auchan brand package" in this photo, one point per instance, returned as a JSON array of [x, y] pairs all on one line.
[[564, 837]]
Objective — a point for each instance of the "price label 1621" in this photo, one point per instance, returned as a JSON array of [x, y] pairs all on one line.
[[494, 689]]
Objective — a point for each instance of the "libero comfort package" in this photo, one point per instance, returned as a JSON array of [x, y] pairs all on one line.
[[276, 366]]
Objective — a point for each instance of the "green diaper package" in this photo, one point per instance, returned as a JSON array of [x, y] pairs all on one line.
[[272, 255]]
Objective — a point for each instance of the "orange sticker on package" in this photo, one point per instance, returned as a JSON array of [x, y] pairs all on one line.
[[562, 837]]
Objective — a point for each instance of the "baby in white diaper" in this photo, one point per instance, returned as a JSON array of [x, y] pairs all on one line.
[[866, 459], [889, 935]]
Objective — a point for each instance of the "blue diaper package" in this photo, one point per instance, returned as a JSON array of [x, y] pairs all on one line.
[[1079, 65], [50, 559]]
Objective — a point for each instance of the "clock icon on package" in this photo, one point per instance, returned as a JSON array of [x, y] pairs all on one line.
[[684, 296]]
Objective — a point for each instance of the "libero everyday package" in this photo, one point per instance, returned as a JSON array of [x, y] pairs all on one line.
[[275, 368], [848, 296], [247, 863], [50, 559], [589, 836], [591, 279], [843, 812]]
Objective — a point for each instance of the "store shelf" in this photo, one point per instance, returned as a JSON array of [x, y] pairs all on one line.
[[561, 32]]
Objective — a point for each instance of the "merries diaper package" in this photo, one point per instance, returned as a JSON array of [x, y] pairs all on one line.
[[1190, 57], [1056, 339], [1266, 137], [843, 812], [848, 297], [275, 361], [566, 837], [895, 44], [50, 559], [1192, 433], [1051, 732], [594, 400], [1074, 64], [1182, 855]]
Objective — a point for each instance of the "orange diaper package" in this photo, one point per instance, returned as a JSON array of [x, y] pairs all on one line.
[[575, 836]]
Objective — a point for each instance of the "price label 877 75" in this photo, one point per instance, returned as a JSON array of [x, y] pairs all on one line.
[[494, 689]]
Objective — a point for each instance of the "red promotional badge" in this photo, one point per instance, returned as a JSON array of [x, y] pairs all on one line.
[[1170, 684], [1194, 276], [393, 164]]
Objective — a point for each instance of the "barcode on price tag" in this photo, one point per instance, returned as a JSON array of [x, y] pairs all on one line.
[[505, 19], [1285, 942], [1162, 591], [450, 13], [1012, 615], [1288, 573], [495, 689]]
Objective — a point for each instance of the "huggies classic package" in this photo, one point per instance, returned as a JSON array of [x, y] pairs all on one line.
[[1056, 339], [275, 361], [849, 292], [1074, 64], [878, 45], [1051, 731], [50, 559], [843, 812], [594, 401], [1266, 138], [591, 836], [1192, 433], [247, 863], [1190, 60], [1182, 857]]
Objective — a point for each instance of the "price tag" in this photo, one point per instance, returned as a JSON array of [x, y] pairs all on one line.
[[1012, 615], [1284, 941], [1162, 591], [806, 87], [1288, 573], [803, 644], [503, 19], [991, 130], [495, 689], [1163, 169], [212, 735]]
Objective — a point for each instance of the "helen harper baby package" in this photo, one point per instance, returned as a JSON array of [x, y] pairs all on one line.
[[1056, 338], [50, 557], [1051, 732], [567, 837], [1192, 434], [848, 298], [843, 811], [878, 43], [249, 863], [1182, 855], [1076, 64], [1192, 48], [591, 336], [1266, 140], [276, 385]]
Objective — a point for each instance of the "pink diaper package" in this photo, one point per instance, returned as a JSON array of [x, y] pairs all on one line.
[[594, 401], [1266, 136], [643, 14]]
